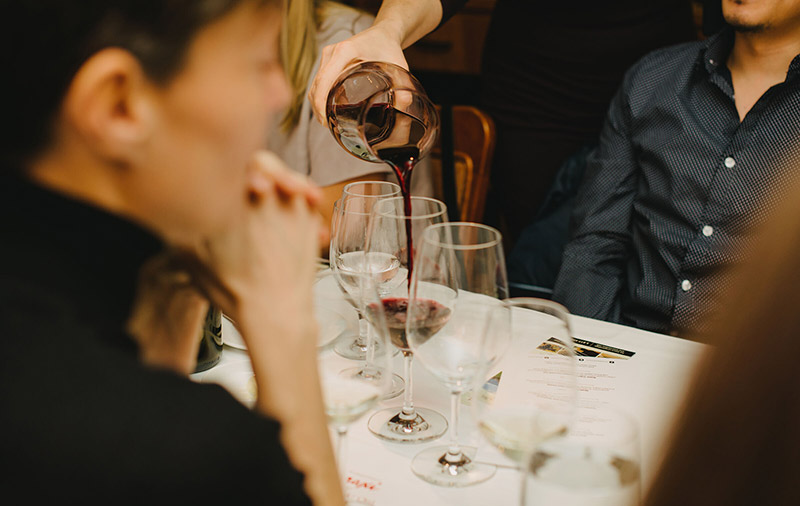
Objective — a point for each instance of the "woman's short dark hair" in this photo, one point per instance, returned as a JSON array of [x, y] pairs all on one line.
[[44, 42]]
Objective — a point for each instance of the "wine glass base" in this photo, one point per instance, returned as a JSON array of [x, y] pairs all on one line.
[[397, 388], [352, 347], [427, 426], [349, 346], [349, 501], [433, 466]]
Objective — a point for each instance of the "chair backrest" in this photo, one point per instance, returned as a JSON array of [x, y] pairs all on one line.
[[473, 147]]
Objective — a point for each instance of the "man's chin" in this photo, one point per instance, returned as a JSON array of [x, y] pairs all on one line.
[[741, 26]]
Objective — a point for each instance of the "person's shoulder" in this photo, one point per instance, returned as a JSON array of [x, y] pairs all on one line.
[[339, 19], [660, 73], [665, 63]]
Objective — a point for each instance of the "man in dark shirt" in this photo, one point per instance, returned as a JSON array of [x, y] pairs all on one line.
[[129, 152], [549, 71], [685, 170]]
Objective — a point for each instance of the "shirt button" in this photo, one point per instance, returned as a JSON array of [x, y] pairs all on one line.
[[686, 285], [730, 162], [711, 61], [708, 230]]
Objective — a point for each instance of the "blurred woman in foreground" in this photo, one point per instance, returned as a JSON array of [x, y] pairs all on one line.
[[132, 196], [737, 439]]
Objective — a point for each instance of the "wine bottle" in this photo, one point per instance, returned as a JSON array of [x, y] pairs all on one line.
[[210, 351]]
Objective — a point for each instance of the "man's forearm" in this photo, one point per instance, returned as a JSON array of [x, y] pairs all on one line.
[[589, 281]]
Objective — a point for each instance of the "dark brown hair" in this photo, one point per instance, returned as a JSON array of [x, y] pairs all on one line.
[[45, 42], [737, 440]]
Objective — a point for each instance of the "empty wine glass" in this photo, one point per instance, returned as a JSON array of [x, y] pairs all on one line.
[[371, 189], [531, 393], [347, 397], [459, 277], [350, 217], [392, 232], [347, 242], [595, 463]]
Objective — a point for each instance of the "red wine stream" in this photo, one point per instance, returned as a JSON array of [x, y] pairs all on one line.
[[394, 137], [404, 178]]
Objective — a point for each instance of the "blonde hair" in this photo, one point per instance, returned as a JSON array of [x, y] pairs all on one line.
[[301, 19], [301, 22]]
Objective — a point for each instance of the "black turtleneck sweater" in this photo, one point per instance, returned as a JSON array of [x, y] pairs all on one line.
[[81, 418]]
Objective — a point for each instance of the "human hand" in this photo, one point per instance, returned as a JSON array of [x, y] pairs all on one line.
[[377, 43], [266, 257]]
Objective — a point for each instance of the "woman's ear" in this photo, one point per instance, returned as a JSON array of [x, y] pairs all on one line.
[[109, 106]]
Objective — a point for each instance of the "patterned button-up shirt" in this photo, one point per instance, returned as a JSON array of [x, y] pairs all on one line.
[[675, 189]]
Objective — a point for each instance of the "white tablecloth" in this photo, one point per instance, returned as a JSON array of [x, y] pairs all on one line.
[[650, 387]]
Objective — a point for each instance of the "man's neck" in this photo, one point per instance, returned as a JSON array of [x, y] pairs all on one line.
[[758, 61]]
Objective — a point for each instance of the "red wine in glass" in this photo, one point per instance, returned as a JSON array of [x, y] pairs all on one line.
[[432, 317]]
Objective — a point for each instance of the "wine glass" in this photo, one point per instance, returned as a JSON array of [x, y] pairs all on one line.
[[347, 397], [460, 276], [532, 393], [392, 231], [347, 242], [371, 189], [350, 217], [595, 463]]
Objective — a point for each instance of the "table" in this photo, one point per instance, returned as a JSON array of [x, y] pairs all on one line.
[[651, 389]]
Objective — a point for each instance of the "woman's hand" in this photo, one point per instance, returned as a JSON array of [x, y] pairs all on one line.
[[267, 256], [398, 24], [379, 42], [260, 272]]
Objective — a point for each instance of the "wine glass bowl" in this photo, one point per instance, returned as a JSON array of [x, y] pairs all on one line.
[[348, 257], [595, 463], [534, 379]]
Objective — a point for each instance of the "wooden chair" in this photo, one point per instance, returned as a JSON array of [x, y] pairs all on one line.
[[473, 140]]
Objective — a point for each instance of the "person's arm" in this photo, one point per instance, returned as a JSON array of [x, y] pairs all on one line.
[[398, 24], [260, 273], [592, 273]]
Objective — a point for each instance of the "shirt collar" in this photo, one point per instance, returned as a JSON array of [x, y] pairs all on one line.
[[718, 47], [716, 50]]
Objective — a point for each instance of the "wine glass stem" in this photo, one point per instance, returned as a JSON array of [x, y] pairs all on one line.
[[366, 331], [409, 413], [361, 340], [341, 439], [524, 481], [454, 451]]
